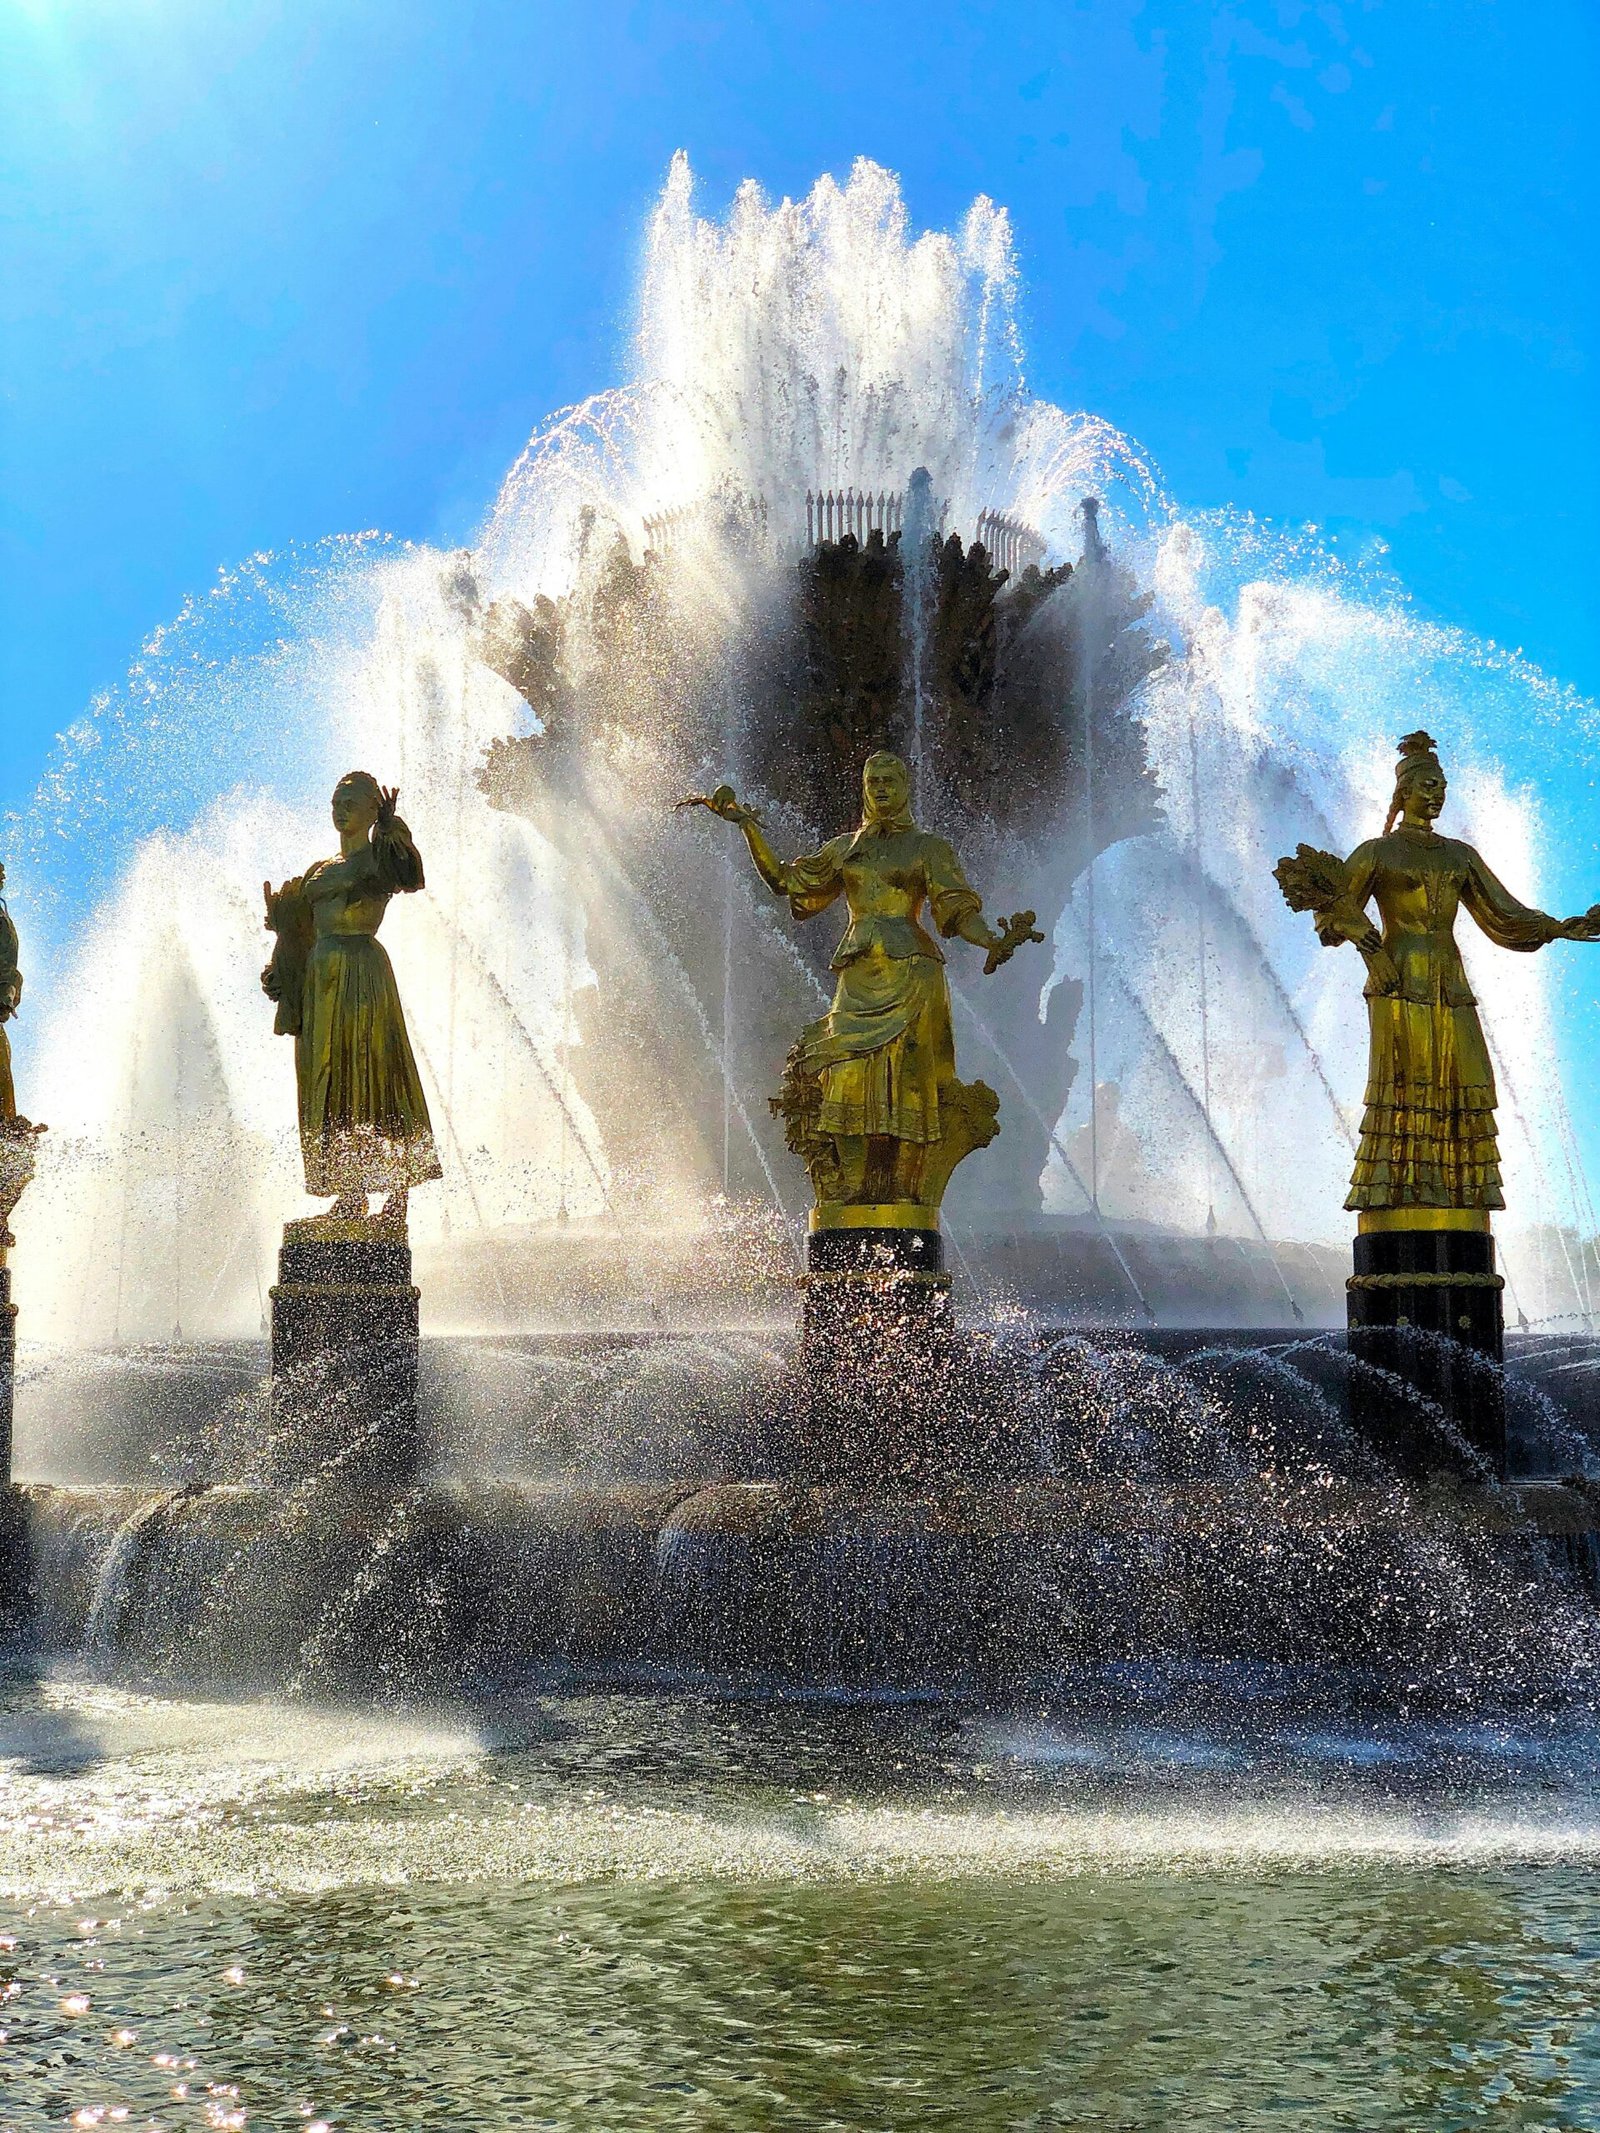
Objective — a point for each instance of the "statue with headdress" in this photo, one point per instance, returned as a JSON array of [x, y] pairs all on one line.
[[1428, 1155], [364, 1124], [870, 1099]]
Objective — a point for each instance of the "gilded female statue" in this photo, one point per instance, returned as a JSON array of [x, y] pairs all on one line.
[[364, 1123], [870, 1095], [10, 999], [17, 1134], [1428, 1133]]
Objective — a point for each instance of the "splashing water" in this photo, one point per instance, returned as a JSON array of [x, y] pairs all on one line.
[[809, 345]]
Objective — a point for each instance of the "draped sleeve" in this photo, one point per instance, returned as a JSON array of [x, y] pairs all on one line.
[[951, 896], [1507, 923], [812, 883], [396, 860]]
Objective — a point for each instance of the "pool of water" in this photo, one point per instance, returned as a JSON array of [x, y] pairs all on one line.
[[662, 1910]]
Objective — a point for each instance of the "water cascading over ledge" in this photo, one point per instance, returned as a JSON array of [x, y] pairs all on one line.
[[1076, 1506]]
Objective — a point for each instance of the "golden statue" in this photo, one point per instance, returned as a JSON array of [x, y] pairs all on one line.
[[870, 1096], [1428, 1156], [364, 1123], [10, 1000], [17, 1134]]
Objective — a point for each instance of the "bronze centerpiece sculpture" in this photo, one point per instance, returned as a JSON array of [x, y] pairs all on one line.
[[364, 1124], [870, 1099], [1427, 1169]]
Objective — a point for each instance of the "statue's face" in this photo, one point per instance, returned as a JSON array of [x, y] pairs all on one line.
[[354, 807], [1425, 796], [886, 790]]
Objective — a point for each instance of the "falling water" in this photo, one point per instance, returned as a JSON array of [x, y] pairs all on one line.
[[786, 350]]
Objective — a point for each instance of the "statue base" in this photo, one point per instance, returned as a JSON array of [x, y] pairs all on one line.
[[1424, 1309], [873, 1373], [873, 1279], [344, 1356], [8, 1367]]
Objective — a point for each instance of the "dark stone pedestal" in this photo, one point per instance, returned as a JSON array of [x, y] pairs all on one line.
[[873, 1385], [8, 1370], [344, 1362], [1424, 1305], [864, 1284]]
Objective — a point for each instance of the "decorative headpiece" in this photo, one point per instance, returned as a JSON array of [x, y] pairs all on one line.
[[1418, 758]]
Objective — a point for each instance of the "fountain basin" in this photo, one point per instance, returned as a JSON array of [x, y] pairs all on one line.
[[998, 1588]]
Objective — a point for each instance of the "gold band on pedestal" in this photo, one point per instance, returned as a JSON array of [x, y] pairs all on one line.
[[862, 1214], [1376, 1219]]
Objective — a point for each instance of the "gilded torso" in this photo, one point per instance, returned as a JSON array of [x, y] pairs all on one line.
[[346, 895], [887, 883], [1420, 882], [1417, 885], [887, 879]]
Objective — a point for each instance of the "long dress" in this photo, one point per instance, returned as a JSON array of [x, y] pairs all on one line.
[[1428, 1132], [10, 994], [885, 1049], [364, 1124]]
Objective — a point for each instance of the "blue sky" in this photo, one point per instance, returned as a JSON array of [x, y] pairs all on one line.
[[269, 272]]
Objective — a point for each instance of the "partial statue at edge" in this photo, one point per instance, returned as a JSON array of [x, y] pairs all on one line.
[[17, 1134], [869, 1097], [1428, 1155], [364, 1125]]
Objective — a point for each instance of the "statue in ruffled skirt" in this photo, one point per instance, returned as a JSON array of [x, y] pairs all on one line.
[[1428, 1144]]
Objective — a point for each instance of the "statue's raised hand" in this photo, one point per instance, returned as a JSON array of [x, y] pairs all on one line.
[[388, 801], [1013, 932], [724, 802]]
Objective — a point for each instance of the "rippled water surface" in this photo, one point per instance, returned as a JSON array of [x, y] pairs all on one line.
[[623, 1912]]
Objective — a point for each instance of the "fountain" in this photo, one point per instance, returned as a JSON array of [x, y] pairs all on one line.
[[1074, 1403]]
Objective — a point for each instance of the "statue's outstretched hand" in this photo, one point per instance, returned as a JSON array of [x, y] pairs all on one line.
[[724, 802], [1584, 928], [1013, 932], [388, 801]]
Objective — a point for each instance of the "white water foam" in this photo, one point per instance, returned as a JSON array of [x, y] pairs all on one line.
[[789, 347]]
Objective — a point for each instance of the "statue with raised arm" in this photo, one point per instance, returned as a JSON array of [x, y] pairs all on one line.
[[364, 1125], [870, 1098], [1428, 1156], [17, 1134]]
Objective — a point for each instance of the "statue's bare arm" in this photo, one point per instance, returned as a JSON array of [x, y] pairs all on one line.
[[726, 803]]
